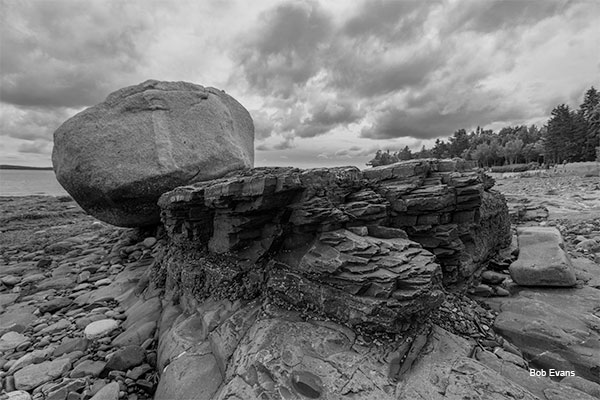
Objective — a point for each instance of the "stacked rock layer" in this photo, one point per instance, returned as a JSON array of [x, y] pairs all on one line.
[[363, 248]]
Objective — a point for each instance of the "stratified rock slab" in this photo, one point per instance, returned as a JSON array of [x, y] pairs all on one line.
[[542, 260], [363, 281], [116, 158], [360, 240]]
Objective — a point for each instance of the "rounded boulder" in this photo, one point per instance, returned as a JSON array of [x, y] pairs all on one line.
[[116, 158]]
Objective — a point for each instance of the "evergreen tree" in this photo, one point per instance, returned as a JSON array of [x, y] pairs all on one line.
[[588, 110], [459, 142]]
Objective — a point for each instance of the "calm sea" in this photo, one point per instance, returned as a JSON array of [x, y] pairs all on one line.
[[18, 182]]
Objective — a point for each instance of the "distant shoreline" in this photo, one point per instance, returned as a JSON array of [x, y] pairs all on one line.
[[24, 167]]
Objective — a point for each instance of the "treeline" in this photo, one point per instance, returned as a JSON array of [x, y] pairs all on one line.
[[569, 135]]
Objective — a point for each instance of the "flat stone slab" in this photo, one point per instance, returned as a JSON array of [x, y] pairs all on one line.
[[542, 260], [555, 328], [35, 375]]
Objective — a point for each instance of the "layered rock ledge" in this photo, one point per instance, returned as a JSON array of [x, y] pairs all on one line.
[[362, 248]]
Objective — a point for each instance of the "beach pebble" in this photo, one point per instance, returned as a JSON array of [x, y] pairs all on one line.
[[18, 395], [83, 276], [101, 328], [88, 368], [126, 358], [103, 282], [55, 305], [108, 392], [149, 242], [10, 280], [10, 340]]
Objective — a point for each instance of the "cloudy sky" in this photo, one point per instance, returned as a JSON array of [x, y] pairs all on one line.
[[327, 83]]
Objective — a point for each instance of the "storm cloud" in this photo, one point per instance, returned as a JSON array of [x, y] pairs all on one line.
[[326, 82]]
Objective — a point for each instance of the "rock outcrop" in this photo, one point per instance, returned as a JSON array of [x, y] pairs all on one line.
[[277, 277], [279, 213], [303, 237], [116, 158]]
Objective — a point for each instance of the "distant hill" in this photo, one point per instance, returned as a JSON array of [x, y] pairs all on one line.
[[3, 166]]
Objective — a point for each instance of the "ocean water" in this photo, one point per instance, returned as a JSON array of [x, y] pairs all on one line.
[[18, 182]]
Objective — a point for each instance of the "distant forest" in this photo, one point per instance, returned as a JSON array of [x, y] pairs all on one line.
[[569, 135], [4, 166]]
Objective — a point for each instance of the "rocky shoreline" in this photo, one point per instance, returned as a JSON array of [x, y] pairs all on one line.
[[80, 318]]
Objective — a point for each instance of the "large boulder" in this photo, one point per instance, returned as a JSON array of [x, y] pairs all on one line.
[[116, 158]]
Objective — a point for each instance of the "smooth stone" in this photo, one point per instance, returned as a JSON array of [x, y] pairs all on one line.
[[108, 392], [180, 379], [100, 328], [8, 298], [139, 371], [126, 358], [483, 290], [149, 242], [493, 277], [135, 335], [88, 368], [83, 276], [35, 375], [57, 326], [103, 282], [32, 279], [60, 391], [17, 318], [71, 345], [33, 357], [10, 280], [10, 340], [60, 283], [17, 395]]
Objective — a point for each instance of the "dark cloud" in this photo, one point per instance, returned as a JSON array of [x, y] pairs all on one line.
[[282, 54], [432, 123], [388, 19], [68, 53], [492, 16], [326, 116], [371, 75]]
